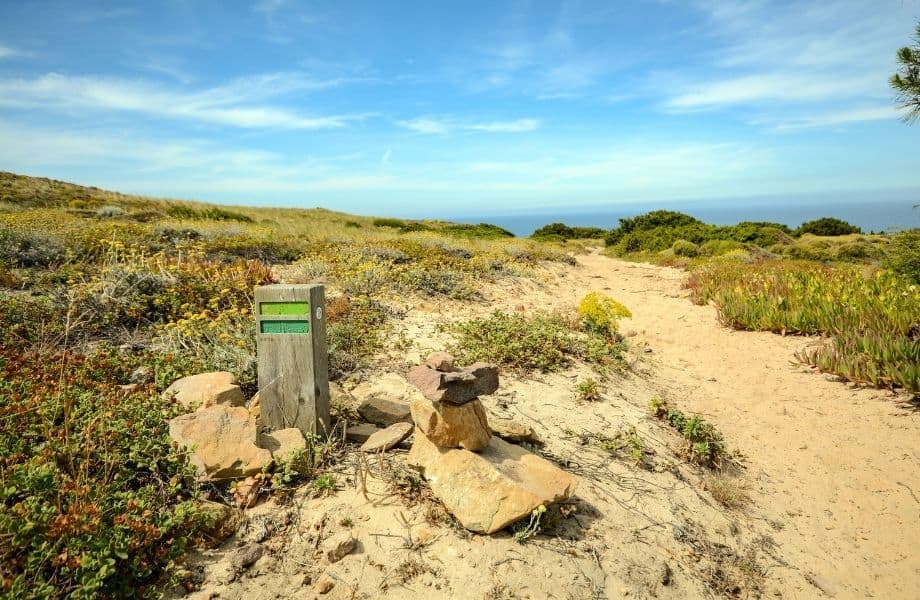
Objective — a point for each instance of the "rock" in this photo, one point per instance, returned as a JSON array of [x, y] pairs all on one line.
[[141, 375], [223, 519], [324, 584], [387, 438], [339, 546], [440, 361], [361, 432], [458, 387], [205, 390], [385, 400], [282, 442], [255, 409], [247, 491], [222, 440], [451, 425], [243, 557], [490, 490], [513, 431]]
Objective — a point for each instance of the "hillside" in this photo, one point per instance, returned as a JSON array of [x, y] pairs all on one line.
[[712, 458]]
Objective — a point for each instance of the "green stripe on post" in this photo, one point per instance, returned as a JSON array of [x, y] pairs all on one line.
[[285, 326], [284, 308]]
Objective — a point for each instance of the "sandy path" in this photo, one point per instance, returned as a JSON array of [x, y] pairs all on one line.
[[835, 469]]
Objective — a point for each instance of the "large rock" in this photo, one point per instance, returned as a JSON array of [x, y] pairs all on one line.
[[451, 425], [282, 442], [205, 390], [222, 440], [385, 439], [488, 491], [385, 400], [457, 387]]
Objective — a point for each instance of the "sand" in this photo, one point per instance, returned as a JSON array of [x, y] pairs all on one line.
[[831, 472]]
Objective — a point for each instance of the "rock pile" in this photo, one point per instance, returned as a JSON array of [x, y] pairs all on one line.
[[485, 482]]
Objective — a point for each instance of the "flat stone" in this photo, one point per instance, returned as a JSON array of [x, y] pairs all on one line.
[[440, 361], [385, 400], [488, 491], [515, 432], [452, 426], [222, 441], [457, 387], [385, 439], [282, 442], [205, 390], [245, 556], [361, 432], [324, 584], [339, 546]]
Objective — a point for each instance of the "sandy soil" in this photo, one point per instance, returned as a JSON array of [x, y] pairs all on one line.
[[831, 472]]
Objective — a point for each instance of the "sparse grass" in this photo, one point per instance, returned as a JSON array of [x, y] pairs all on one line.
[[867, 314], [727, 490], [704, 443]]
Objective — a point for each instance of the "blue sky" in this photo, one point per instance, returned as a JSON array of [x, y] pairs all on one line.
[[459, 108]]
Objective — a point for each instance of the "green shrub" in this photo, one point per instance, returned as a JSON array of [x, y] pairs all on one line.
[[94, 499], [869, 316], [827, 226], [719, 247], [904, 254], [388, 222], [705, 445], [562, 232], [480, 231], [685, 249], [211, 213], [20, 248], [540, 341]]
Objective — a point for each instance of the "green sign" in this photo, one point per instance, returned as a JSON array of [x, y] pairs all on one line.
[[285, 326], [284, 308]]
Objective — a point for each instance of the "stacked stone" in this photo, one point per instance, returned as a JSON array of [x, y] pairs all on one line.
[[449, 412], [485, 482]]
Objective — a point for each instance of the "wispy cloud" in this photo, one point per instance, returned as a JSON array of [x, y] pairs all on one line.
[[8, 52], [435, 126], [235, 104], [769, 54], [843, 117]]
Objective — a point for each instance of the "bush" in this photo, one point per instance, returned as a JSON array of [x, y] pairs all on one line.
[[827, 226], [600, 313], [904, 254], [95, 501], [705, 445], [29, 249], [211, 213], [562, 232], [480, 231], [870, 317], [685, 249], [719, 247], [108, 212], [540, 341]]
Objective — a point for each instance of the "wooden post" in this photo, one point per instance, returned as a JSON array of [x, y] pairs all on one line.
[[293, 364]]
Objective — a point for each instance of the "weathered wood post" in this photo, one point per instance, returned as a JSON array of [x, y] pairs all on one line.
[[293, 364]]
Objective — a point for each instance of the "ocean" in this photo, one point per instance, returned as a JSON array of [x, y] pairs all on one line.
[[883, 215]]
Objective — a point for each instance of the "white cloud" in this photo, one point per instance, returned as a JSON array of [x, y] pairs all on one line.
[[769, 55], [232, 104], [768, 87], [434, 126], [7, 52], [842, 117]]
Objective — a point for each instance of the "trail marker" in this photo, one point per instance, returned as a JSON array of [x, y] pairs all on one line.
[[293, 363]]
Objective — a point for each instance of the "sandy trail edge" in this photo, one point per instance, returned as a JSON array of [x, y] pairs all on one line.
[[836, 467]]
